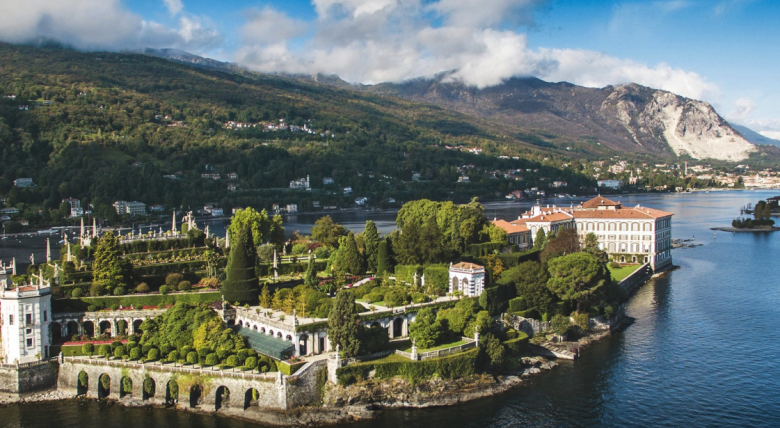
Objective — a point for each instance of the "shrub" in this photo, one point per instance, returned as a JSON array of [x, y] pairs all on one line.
[[211, 359], [173, 356], [609, 311], [614, 265], [146, 348], [420, 298], [105, 350], [209, 282], [153, 355], [192, 357], [119, 291], [115, 344], [132, 344], [299, 248], [83, 378], [119, 351], [322, 253], [251, 363], [96, 289], [173, 279], [451, 367], [141, 288], [518, 344], [232, 361], [115, 306], [88, 349], [165, 349], [581, 321], [560, 324], [164, 290], [135, 353], [184, 286], [77, 293]]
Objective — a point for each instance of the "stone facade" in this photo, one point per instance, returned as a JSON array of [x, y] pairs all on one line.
[[28, 377], [467, 278]]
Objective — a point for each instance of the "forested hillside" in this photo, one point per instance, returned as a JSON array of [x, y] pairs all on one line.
[[105, 126]]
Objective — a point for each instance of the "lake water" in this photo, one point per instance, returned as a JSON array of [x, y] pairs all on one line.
[[703, 351]]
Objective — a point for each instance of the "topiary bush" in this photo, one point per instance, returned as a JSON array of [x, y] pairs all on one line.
[[184, 286], [192, 357], [105, 351], [211, 359], [96, 289], [153, 355], [88, 349], [164, 290], [173, 279], [119, 291], [251, 363], [135, 353], [173, 356], [232, 361], [77, 293], [141, 288]]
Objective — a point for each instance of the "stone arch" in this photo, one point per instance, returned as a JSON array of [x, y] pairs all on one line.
[[633, 259], [72, 328], [121, 327], [622, 259], [240, 323], [222, 398], [250, 397], [149, 388], [376, 324], [278, 334], [288, 338], [464, 285], [398, 327], [303, 344], [195, 396], [172, 392], [254, 327], [89, 328], [271, 333], [125, 387], [454, 284], [137, 326], [82, 385], [56, 331], [262, 330], [104, 327], [104, 385]]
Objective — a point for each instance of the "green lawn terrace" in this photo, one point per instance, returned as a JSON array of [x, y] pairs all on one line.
[[621, 272], [308, 336]]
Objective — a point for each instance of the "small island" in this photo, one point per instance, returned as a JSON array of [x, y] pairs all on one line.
[[761, 221]]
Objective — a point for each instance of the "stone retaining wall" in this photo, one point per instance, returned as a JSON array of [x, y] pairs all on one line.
[[29, 377]]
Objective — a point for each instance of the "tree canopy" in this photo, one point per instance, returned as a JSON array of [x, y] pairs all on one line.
[[263, 227], [241, 284], [577, 277], [327, 232], [344, 324]]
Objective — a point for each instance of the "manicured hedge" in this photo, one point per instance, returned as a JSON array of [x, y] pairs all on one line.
[[496, 298], [176, 267], [137, 301], [517, 345], [288, 268], [528, 313], [68, 350], [513, 259], [167, 254], [450, 367], [406, 272], [156, 245], [78, 276], [517, 304], [438, 277], [480, 250], [287, 368], [66, 291]]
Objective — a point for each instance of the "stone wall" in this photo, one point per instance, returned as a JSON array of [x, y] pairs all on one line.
[[29, 377], [198, 389], [305, 387], [529, 326], [637, 278]]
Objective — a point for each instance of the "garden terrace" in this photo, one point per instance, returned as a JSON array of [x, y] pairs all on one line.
[[68, 324], [83, 304]]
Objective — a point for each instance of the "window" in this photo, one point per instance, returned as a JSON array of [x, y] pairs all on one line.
[[28, 331], [28, 319], [29, 342], [10, 320], [44, 316]]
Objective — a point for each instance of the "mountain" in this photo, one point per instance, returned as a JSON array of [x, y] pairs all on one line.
[[754, 137], [627, 118]]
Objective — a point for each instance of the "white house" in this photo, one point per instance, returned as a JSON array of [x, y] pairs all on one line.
[[24, 182], [26, 315], [301, 183], [467, 278]]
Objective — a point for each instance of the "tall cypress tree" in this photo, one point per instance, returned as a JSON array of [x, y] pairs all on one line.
[[310, 279], [344, 324], [241, 284], [371, 236], [382, 258], [353, 260]]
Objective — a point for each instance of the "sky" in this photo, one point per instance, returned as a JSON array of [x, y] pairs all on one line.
[[719, 51]]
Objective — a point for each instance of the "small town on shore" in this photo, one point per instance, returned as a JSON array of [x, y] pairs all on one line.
[[333, 325]]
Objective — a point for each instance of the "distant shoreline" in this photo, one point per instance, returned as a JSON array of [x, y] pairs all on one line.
[[755, 229]]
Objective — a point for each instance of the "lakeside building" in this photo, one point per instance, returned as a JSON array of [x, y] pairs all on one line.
[[24, 182], [627, 234], [132, 208], [301, 183], [26, 315]]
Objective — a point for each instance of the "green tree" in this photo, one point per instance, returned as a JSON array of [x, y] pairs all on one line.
[[540, 240], [327, 232], [560, 324], [430, 237], [426, 328], [530, 280], [241, 284], [577, 277], [353, 260], [383, 258], [344, 324], [110, 270], [408, 244], [591, 246], [494, 350], [262, 226], [371, 237], [310, 278], [767, 212]]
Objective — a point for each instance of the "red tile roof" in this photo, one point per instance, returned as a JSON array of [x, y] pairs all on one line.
[[641, 213], [599, 201], [511, 227], [467, 266]]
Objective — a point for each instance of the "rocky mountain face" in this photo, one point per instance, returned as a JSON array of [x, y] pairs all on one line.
[[626, 118]]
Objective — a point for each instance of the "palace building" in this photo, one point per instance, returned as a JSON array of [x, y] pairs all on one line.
[[628, 234]]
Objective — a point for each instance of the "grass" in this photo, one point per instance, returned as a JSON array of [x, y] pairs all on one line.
[[619, 274], [392, 358], [436, 348]]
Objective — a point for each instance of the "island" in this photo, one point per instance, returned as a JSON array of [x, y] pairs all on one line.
[[761, 221]]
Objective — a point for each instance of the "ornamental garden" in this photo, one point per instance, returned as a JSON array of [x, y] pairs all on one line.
[[257, 301]]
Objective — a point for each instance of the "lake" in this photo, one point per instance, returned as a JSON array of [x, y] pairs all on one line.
[[703, 348]]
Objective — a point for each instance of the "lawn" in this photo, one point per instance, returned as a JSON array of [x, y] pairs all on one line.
[[392, 358], [436, 348], [619, 274]]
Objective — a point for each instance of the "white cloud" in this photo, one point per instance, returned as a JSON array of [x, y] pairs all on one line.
[[270, 26], [174, 6], [742, 109], [99, 24]]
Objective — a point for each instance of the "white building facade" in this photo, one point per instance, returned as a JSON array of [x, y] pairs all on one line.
[[467, 278], [26, 315]]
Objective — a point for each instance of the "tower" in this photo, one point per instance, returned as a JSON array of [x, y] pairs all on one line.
[[26, 312]]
